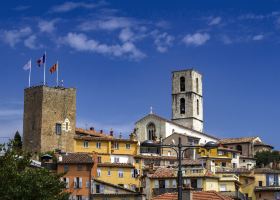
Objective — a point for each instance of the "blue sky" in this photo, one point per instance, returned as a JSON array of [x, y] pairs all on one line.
[[120, 55]]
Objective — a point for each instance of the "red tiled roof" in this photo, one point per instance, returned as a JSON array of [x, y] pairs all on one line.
[[191, 162], [237, 140], [163, 172], [197, 195], [76, 158], [156, 157], [103, 138], [91, 133]]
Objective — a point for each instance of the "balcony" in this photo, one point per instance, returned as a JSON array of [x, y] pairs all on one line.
[[194, 172], [267, 188], [159, 191], [228, 177]]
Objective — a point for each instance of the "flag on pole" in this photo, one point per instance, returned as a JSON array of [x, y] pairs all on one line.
[[41, 60], [27, 66], [53, 68]]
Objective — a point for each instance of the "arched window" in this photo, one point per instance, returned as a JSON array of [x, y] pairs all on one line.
[[239, 148], [182, 106], [182, 84], [197, 107], [151, 131]]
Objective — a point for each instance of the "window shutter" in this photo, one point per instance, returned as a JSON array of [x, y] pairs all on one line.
[[75, 182], [80, 182], [92, 186], [101, 188], [67, 182], [166, 183], [156, 183], [87, 184], [133, 173], [267, 180], [199, 183]]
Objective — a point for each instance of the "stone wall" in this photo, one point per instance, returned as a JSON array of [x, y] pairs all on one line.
[[44, 107]]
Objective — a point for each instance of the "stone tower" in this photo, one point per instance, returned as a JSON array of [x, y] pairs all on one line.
[[187, 99], [49, 119]]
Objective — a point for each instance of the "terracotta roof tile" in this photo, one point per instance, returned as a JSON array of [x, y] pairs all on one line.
[[191, 162], [163, 172], [91, 133], [237, 140], [197, 195], [76, 158], [122, 165]]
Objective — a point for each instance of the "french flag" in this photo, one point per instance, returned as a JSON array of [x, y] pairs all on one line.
[[41, 60]]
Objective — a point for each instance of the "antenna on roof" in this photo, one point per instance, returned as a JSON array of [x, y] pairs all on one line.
[[151, 110]]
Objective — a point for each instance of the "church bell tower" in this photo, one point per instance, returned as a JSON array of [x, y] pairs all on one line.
[[187, 99]]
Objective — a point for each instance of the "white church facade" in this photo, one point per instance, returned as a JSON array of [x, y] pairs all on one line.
[[187, 111]]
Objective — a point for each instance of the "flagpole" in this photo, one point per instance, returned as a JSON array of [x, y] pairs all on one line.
[[57, 74], [45, 68], [29, 79]]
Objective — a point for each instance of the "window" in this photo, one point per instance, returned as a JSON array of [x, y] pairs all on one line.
[[197, 107], [182, 84], [161, 183], [85, 144], [66, 126], [137, 161], [234, 165], [156, 184], [182, 106], [66, 181], [66, 168], [197, 85], [194, 183], [79, 167], [167, 183], [127, 146], [116, 145], [58, 128], [120, 173], [97, 189], [87, 184], [260, 183], [116, 159], [79, 197], [151, 130], [98, 145], [221, 153], [99, 159], [223, 188], [98, 172], [109, 172], [234, 155], [239, 148], [78, 182], [224, 164]]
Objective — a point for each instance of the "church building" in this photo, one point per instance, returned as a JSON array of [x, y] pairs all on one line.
[[187, 111]]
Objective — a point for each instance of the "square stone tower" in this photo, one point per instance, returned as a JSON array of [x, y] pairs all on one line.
[[49, 119], [187, 99]]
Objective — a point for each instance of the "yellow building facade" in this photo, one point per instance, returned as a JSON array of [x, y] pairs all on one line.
[[116, 162]]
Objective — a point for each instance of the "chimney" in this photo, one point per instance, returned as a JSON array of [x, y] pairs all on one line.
[[111, 132], [91, 128], [187, 193]]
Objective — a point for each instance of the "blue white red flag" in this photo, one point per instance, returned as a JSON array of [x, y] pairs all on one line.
[[41, 60]]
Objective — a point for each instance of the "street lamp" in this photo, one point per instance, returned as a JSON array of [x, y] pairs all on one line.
[[179, 149]]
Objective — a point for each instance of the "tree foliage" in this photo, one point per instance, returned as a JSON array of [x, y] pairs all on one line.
[[20, 181], [264, 158]]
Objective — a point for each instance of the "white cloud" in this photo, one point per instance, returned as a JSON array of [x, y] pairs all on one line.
[[109, 23], [80, 42], [12, 37], [226, 40], [196, 39], [126, 35], [47, 26], [21, 7], [70, 5], [30, 42], [258, 37], [162, 41], [215, 21]]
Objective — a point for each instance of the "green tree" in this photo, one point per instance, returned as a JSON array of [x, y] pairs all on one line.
[[17, 142], [266, 157], [20, 181]]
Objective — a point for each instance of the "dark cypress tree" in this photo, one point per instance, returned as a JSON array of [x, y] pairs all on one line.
[[17, 143]]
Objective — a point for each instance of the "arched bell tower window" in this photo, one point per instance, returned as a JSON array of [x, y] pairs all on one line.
[[151, 131], [182, 106], [182, 84], [197, 107]]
